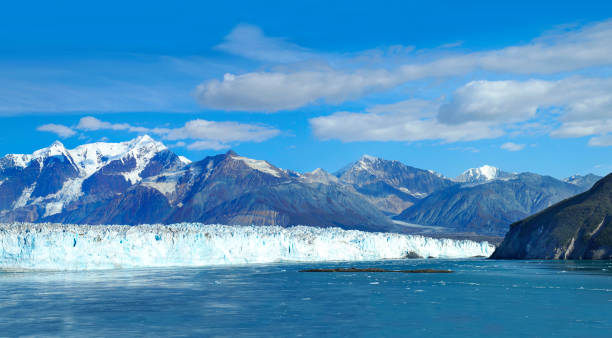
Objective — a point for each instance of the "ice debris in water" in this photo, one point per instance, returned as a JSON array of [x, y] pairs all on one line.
[[85, 247]]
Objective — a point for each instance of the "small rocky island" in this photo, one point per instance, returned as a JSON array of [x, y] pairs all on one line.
[[376, 270]]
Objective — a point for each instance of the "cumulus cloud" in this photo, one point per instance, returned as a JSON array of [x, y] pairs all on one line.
[[511, 146], [58, 129], [503, 101], [270, 91], [484, 109], [583, 106], [351, 127], [274, 91]]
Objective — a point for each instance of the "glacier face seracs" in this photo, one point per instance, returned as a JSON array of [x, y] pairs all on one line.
[[78, 247]]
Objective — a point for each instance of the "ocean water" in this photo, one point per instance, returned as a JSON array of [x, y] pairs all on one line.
[[481, 298]]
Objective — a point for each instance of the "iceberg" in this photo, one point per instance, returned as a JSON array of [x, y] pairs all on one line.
[[45, 246]]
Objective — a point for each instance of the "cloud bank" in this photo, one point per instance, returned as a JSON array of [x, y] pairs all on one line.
[[270, 91], [203, 134], [484, 109]]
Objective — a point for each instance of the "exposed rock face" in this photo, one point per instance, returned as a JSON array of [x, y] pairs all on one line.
[[232, 190], [576, 228], [391, 185], [489, 208]]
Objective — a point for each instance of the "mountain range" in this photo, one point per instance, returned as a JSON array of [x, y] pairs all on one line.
[[142, 181], [489, 207]]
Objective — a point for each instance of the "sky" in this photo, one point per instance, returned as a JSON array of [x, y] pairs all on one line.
[[439, 85]]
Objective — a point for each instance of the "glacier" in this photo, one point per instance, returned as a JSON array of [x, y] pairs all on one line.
[[45, 246]]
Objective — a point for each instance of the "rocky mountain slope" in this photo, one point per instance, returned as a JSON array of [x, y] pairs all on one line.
[[576, 228], [391, 185], [490, 207], [141, 181], [583, 181]]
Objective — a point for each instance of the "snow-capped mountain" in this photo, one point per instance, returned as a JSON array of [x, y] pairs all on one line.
[[482, 174], [583, 181], [41, 184], [141, 181], [391, 185]]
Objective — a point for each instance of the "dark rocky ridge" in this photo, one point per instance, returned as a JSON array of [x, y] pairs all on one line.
[[576, 228]]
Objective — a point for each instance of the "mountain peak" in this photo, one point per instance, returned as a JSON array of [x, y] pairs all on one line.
[[319, 176], [584, 181], [57, 143], [55, 149], [481, 174], [258, 165], [144, 140], [369, 158]]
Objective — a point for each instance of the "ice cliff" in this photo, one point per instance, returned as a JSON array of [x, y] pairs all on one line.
[[79, 247]]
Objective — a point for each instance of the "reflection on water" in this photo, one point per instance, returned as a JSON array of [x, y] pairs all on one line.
[[482, 297]]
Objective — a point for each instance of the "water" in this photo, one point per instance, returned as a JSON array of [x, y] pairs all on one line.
[[492, 298]]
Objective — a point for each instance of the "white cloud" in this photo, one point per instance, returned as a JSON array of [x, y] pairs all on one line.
[[573, 107], [207, 134], [511, 146], [250, 42], [351, 127], [559, 51], [582, 106], [498, 101], [61, 130], [274, 91], [221, 131], [417, 108], [601, 141], [583, 128], [270, 91], [90, 123]]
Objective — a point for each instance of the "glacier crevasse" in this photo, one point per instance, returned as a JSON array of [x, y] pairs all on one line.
[[84, 247]]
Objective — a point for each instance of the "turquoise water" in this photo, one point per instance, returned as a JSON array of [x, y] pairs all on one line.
[[492, 298]]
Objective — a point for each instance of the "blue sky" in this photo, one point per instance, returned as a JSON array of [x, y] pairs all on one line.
[[441, 85]]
